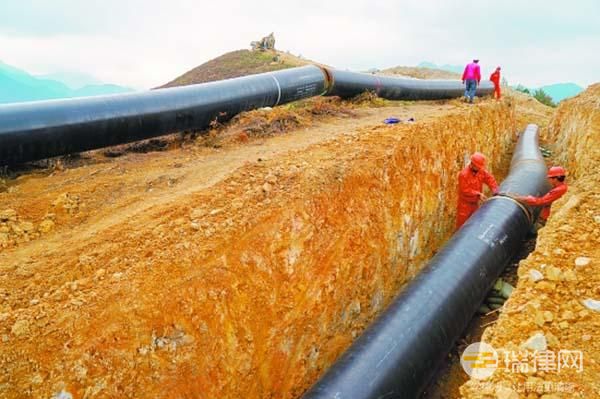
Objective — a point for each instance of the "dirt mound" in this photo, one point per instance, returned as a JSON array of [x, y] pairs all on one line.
[[271, 121], [238, 63]]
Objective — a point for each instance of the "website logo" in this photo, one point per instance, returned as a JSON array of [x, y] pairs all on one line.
[[479, 360]]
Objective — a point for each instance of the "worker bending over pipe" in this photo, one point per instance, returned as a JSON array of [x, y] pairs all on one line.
[[470, 187]]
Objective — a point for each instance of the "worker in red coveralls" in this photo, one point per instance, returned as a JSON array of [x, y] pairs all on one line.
[[556, 177], [495, 78], [470, 187]]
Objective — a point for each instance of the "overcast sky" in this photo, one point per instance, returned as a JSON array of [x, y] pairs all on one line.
[[146, 43]]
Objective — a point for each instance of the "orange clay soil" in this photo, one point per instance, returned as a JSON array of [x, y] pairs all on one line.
[[242, 271]]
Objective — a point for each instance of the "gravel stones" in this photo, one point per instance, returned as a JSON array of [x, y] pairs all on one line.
[[535, 275], [582, 261], [8, 215], [592, 304], [536, 342], [20, 328]]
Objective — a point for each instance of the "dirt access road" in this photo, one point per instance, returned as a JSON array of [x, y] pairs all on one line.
[[83, 201]]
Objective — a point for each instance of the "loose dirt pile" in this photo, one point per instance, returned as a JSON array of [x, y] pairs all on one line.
[[240, 271], [554, 308], [272, 121]]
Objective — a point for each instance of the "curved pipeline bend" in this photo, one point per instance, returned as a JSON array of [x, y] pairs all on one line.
[[398, 354], [44, 129]]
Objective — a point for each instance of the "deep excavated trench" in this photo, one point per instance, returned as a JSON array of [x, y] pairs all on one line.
[[266, 315], [251, 294], [397, 355]]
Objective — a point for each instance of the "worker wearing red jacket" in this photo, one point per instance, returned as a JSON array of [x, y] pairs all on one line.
[[556, 177], [495, 78], [470, 187]]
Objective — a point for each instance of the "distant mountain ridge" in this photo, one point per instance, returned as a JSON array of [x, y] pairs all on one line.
[[75, 80], [558, 91], [17, 85], [446, 67]]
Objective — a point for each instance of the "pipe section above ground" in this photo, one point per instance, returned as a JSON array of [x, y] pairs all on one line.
[[399, 353], [43, 129], [349, 84]]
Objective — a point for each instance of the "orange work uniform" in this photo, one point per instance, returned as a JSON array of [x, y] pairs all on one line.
[[546, 201], [470, 184], [495, 78]]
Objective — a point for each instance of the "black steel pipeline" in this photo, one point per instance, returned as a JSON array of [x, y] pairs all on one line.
[[348, 84], [398, 354], [43, 129]]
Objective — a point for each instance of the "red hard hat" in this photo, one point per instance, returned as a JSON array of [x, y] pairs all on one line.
[[557, 171], [478, 159]]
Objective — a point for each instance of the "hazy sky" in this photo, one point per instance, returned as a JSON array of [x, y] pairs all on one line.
[[145, 43]]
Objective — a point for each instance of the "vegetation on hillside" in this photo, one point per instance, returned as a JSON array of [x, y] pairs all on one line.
[[268, 121], [538, 94], [543, 97]]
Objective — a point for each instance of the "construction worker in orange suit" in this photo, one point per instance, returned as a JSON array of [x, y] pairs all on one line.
[[556, 177], [495, 78], [470, 187]]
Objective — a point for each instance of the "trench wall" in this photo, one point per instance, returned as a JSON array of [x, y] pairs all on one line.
[[574, 133]]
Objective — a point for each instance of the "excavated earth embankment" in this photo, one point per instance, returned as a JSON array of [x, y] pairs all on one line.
[[243, 272], [557, 299]]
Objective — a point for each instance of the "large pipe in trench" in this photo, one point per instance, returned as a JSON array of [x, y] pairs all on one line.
[[45, 129], [398, 354]]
